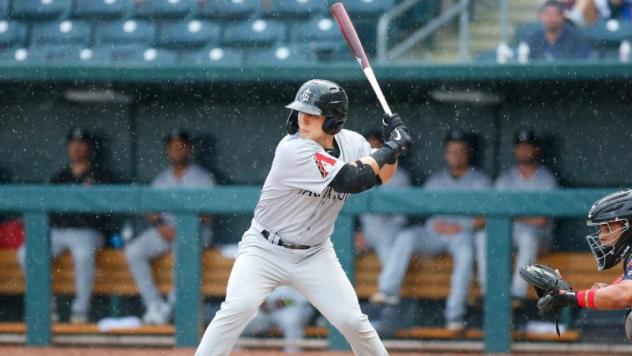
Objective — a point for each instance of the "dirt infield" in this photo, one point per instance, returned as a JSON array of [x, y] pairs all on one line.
[[113, 351]]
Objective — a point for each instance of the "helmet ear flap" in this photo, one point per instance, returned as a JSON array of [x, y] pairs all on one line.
[[332, 125], [291, 125]]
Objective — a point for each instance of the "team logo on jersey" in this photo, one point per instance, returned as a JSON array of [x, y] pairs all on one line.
[[324, 163], [305, 95]]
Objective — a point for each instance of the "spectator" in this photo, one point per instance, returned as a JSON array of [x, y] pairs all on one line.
[[580, 12], [286, 309], [614, 9], [530, 234], [377, 231], [439, 234], [160, 237], [79, 233], [555, 39]]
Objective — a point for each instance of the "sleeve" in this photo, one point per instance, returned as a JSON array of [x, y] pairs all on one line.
[[304, 165], [502, 182]]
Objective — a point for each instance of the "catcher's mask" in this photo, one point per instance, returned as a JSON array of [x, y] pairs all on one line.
[[611, 216], [319, 97]]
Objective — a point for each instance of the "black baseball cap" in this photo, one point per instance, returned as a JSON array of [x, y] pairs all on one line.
[[178, 134], [78, 133], [525, 136], [457, 135]]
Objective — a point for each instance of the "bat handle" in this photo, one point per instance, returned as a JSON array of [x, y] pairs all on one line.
[[368, 72]]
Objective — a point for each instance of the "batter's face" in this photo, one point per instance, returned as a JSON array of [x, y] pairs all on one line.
[[178, 151], [457, 155], [311, 126], [526, 153]]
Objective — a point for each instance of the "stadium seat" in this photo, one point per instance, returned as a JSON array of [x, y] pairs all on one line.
[[254, 33], [63, 55], [125, 31], [229, 9], [605, 37], [372, 8], [316, 29], [280, 54], [132, 54], [160, 9], [5, 8], [294, 8], [13, 55], [12, 33], [188, 33], [61, 32], [40, 9], [212, 56], [103, 8]]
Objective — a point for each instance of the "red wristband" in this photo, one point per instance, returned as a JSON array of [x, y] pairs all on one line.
[[582, 299], [591, 298]]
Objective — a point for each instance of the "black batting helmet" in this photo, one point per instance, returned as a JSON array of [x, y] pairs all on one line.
[[319, 97], [615, 207]]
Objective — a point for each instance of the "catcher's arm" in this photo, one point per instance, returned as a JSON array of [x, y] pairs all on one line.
[[612, 297]]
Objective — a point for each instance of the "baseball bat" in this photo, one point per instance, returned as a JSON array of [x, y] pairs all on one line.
[[351, 37]]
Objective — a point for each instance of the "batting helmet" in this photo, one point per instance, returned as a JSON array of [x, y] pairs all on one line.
[[615, 207], [319, 97]]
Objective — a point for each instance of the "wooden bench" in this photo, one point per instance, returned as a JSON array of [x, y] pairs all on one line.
[[427, 278]]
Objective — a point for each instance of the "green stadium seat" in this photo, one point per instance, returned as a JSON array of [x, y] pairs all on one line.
[[254, 33], [605, 37], [160, 9], [188, 33], [279, 55], [132, 54], [5, 8], [40, 10], [229, 9], [125, 32], [13, 55], [316, 29], [372, 8], [61, 55], [212, 56], [103, 8], [61, 32], [294, 8], [12, 33]]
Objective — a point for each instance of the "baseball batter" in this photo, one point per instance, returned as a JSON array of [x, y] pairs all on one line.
[[315, 168]]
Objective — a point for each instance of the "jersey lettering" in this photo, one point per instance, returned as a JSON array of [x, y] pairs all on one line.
[[328, 194], [325, 163]]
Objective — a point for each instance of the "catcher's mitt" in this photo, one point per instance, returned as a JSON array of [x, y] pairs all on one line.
[[547, 283]]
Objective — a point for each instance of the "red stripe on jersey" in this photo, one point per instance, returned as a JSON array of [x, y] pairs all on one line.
[[325, 163]]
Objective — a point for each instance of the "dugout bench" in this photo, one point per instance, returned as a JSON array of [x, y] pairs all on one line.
[[113, 278]]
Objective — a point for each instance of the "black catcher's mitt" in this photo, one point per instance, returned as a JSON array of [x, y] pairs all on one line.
[[547, 283]]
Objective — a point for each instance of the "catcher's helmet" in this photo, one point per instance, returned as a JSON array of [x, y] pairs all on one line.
[[319, 97], [615, 207]]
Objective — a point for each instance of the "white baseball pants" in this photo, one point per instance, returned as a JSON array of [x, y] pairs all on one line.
[[316, 273]]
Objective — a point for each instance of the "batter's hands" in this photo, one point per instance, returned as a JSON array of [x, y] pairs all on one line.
[[399, 140], [390, 123]]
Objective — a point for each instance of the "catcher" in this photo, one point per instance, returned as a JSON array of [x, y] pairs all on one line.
[[610, 243]]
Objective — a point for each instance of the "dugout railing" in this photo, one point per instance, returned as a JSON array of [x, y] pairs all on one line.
[[36, 201]]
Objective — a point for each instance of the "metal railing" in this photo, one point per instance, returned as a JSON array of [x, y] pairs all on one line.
[[460, 9], [35, 202]]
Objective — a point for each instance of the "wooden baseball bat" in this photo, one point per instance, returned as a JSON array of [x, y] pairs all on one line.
[[351, 37]]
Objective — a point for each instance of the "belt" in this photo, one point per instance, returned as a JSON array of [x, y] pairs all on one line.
[[280, 242]]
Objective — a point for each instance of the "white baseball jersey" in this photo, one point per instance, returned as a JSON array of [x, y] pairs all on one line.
[[194, 177], [296, 202]]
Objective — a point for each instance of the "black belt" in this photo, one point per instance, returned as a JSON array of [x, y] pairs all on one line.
[[280, 242]]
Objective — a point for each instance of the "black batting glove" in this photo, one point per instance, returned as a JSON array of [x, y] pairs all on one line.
[[390, 123], [399, 141], [552, 302]]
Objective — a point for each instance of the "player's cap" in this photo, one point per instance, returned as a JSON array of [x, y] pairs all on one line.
[[178, 134], [78, 133], [457, 135], [525, 136]]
